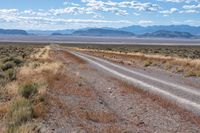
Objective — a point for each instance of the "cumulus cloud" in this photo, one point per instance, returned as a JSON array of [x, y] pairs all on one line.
[[43, 18], [180, 1], [189, 11], [125, 4], [145, 22], [170, 11], [97, 11], [192, 6], [69, 10]]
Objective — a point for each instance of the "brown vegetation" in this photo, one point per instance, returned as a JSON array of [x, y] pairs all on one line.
[[27, 93]]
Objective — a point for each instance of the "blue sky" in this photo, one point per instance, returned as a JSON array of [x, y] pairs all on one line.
[[74, 14]]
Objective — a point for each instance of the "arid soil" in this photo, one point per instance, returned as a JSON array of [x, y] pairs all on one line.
[[83, 99]]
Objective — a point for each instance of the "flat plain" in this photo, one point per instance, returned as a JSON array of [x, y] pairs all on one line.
[[99, 88]]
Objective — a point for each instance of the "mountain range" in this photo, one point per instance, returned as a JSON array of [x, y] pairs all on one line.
[[195, 30], [102, 32], [12, 32], [168, 34], [157, 31]]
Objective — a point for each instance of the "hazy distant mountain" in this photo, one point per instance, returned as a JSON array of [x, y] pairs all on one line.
[[12, 32], [125, 31], [179, 28], [50, 32], [102, 32], [168, 34]]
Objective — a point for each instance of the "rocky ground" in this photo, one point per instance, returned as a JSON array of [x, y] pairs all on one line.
[[83, 99]]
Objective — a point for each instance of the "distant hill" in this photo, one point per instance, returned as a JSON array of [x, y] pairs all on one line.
[[102, 32], [127, 31], [168, 34], [50, 32], [12, 32], [195, 30]]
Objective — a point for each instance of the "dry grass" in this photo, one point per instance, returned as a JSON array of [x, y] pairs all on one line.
[[94, 116], [3, 110], [68, 83], [147, 63], [19, 118], [25, 128], [19, 112], [71, 56], [40, 110], [113, 129], [107, 128], [62, 106], [42, 54]]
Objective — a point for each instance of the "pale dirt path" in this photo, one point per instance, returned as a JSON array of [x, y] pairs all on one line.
[[84, 99], [184, 96]]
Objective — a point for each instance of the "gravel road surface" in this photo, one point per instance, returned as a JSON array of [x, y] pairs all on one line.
[[183, 95]]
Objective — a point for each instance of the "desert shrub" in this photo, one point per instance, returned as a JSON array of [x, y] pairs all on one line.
[[17, 61], [35, 65], [6, 59], [19, 112], [147, 63], [198, 73], [25, 128], [2, 75], [179, 69], [7, 66], [11, 74], [28, 90], [191, 73]]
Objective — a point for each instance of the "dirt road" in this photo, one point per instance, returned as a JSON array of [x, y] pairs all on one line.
[[86, 98], [184, 95]]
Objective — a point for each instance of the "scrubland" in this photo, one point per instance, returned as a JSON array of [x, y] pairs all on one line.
[[24, 71], [45, 88]]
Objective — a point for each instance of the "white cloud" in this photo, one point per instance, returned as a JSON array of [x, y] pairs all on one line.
[[145, 22], [170, 11], [180, 1], [189, 11], [8, 11], [50, 22], [101, 5], [189, 22], [39, 18], [68, 10], [191, 6], [35, 13]]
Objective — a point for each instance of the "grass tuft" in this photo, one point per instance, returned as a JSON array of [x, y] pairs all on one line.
[[28, 90], [191, 73], [19, 112], [179, 70], [147, 63]]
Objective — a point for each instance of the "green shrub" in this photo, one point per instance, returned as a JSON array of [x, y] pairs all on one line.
[[179, 69], [198, 73], [191, 73], [11, 74], [25, 128], [8, 65], [147, 63], [17, 61], [2, 75], [28, 90], [19, 112], [6, 59]]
